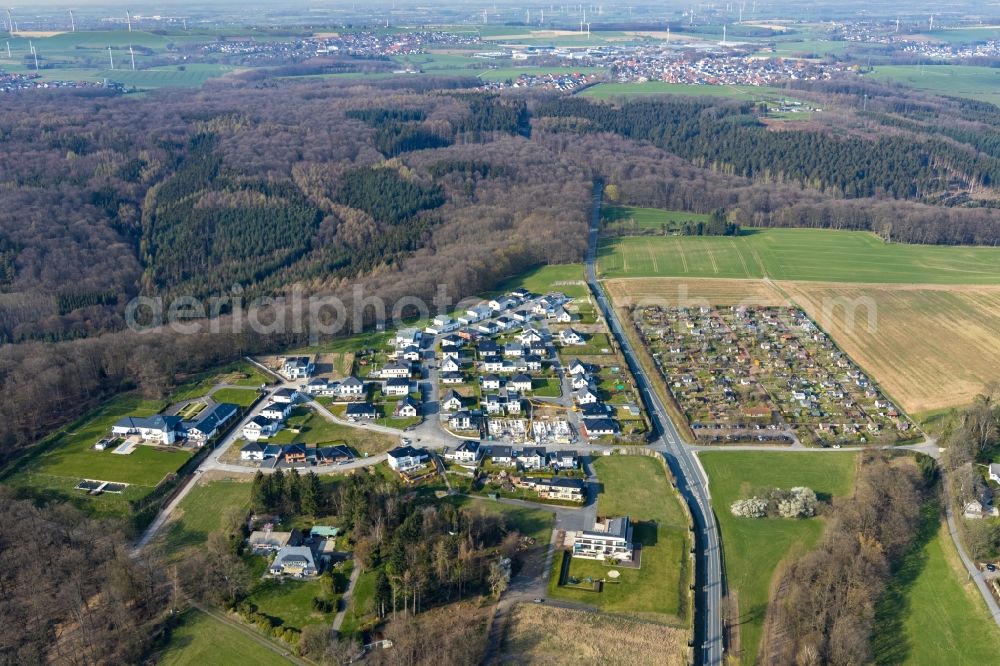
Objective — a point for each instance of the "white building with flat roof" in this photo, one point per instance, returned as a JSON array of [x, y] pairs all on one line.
[[610, 538]]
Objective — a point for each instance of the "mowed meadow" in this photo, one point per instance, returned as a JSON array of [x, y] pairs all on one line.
[[798, 254]]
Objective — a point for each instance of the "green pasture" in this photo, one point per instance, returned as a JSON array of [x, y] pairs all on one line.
[[980, 83]]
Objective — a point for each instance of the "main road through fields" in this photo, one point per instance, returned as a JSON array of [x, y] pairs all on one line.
[[690, 480]]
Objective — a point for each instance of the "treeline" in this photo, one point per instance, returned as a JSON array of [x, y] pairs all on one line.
[[730, 139], [824, 608], [71, 592], [288, 494]]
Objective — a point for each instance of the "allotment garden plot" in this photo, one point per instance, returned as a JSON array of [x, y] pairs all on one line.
[[766, 374]]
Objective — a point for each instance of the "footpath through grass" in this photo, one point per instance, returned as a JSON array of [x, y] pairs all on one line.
[[753, 548], [798, 254], [636, 486]]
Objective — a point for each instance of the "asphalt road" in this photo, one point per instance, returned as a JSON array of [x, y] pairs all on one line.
[[690, 479]]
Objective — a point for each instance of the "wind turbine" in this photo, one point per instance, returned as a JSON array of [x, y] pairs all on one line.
[[9, 56], [111, 58], [10, 23], [128, 19], [33, 53], [72, 21], [132, 53], [723, 35]]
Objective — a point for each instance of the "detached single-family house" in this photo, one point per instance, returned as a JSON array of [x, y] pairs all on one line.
[[532, 457], [404, 458], [360, 410], [352, 387], [610, 538], [581, 382], [408, 337], [333, 455], [557, 487], [513, 350], [451, 341], [396, 386], [521, 382], [252, 451], [452, 401], [276, 411], [562, 459], [488, 328], [317, 385], [562, 316], [294, 561], [400, 369], [502, 303], [267, 540], [157, 428], [491, 382], [407, 408], [260, 426], [600, 427], [450, 365], [576, 367], [463, 421], [586, 396], [450, 378], [210, 421], [500, 454], [568, 336], [466, 453], [285, 395], [298, 367], [410, 353], [529, 335]]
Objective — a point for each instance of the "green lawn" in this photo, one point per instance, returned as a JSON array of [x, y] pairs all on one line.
[[636, 486], [553, 277], [625, 218], [546, 387], [201, 639], [607, 91], [798, 254], [944, 619], [201, 512], [752, 548], [70, 455], [241, 397], [291, 601], [315, 429], [981, 83], [358, 609]]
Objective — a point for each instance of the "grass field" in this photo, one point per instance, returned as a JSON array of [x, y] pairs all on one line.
[[291, 601], [798, 254], [237, 396], [201, 639], [68, 456], [625, 218], [943, 617], [567, 278], [315, 429], [928, 347], [636, 486], [201, 513], [965, 35], [559, 636], [753, 548], [982, 83], [692, 292], [607, 91]]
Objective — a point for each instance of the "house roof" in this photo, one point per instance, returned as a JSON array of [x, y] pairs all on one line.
[[397, 381], [468, 445], [334, 452], [359, 408], [530, 451], [261, 421], [352, 381], [561, 482], [155, 422], [600, 425], [500, 451], [254, 447], [521, 378], [294, 556], [217, 415], [407, 452], [285, 392], [452, 394]]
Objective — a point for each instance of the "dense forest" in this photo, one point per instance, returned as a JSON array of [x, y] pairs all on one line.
[[71, 592]]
